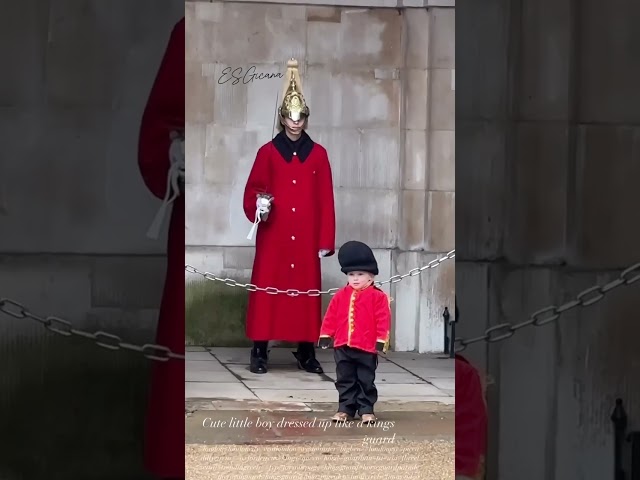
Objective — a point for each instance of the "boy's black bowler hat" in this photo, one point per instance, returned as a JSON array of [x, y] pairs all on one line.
[[357, 257]]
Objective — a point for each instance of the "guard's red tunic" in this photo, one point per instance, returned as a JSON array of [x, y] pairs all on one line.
[[301, 222], [358, 319], [471, 420], [164, 442]]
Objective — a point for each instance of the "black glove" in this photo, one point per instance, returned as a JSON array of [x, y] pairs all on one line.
[[324, 342], [380, 346]]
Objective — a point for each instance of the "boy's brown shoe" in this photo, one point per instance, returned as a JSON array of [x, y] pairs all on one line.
[[368, 418]]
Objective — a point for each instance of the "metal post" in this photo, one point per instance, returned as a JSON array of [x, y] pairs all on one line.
[[446, 316], [619, 419], [452, 350], [634, 439]]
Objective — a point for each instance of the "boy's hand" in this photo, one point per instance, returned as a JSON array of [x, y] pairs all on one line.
[[380, 346], [324, 342]]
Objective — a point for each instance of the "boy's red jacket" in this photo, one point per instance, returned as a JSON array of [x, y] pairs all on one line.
[[358, 318], [471, 420]]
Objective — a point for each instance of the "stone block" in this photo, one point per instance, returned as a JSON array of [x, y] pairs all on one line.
[[473, 295], [226, 147], [482, 68], [443, 38], [208, 259], [323, 93], [230, 98], [608, 69], [199, 94], [24, 49], [597, 344], [406, 298], [418, 31], [412, 221], [416, 99], [538, 206], [201, 39], [238, 258], [380, 161], [421, 328], [442, 160], [361, 158], [264, 91], [208, 12], [547, 50], [203, 228], [604, 236], [441, 222], [47, 286], [371, 216], [82, 73], [194, 149], [137, 326], [324, 15], [437, 290], [324, 39], [127, 281], [85, 214], [370, 37], [366, 101], [259, 33], [531, 377], [443, 114], [480, 174], [415, 160]]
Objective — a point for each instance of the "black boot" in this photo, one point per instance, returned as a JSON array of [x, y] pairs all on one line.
[[259, 357], [306, 356]]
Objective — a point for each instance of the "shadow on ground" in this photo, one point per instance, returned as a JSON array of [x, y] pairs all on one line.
[[70, 409]]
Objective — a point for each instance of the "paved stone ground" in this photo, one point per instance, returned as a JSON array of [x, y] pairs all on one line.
[[276, 426], [275, 445], [219, 378]]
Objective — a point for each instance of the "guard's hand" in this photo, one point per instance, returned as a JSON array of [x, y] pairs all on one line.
[[324, 342], [380, 346], [323, 253]]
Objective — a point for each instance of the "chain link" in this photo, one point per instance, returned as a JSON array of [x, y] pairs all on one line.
[[105, 340], [292, 292], [551, 313]]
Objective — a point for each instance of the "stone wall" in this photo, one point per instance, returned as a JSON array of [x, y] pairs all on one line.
[[547, 115], [379, 83]]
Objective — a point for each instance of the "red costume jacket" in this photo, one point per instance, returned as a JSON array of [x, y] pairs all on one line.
[[164, 442], [301, 222], [358, 318], [471, 420]]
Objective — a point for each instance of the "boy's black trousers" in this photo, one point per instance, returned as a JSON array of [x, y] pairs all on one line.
[[355, 377]]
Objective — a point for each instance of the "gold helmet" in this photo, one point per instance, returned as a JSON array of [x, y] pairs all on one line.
[[293, 104]]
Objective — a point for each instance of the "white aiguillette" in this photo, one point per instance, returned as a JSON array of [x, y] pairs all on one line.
[[263, 207]]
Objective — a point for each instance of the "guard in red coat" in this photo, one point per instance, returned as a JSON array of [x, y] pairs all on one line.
[[289, 197], [358, 320], [164, 114], [471, 422]]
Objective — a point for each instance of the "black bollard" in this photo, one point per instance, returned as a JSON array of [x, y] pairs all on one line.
[[619, 419], [446, 316], [634, 439]]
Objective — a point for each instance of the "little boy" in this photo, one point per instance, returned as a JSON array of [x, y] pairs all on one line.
[[358, 320]]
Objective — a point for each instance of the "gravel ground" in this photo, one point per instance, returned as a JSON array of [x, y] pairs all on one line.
[[401, 460]]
